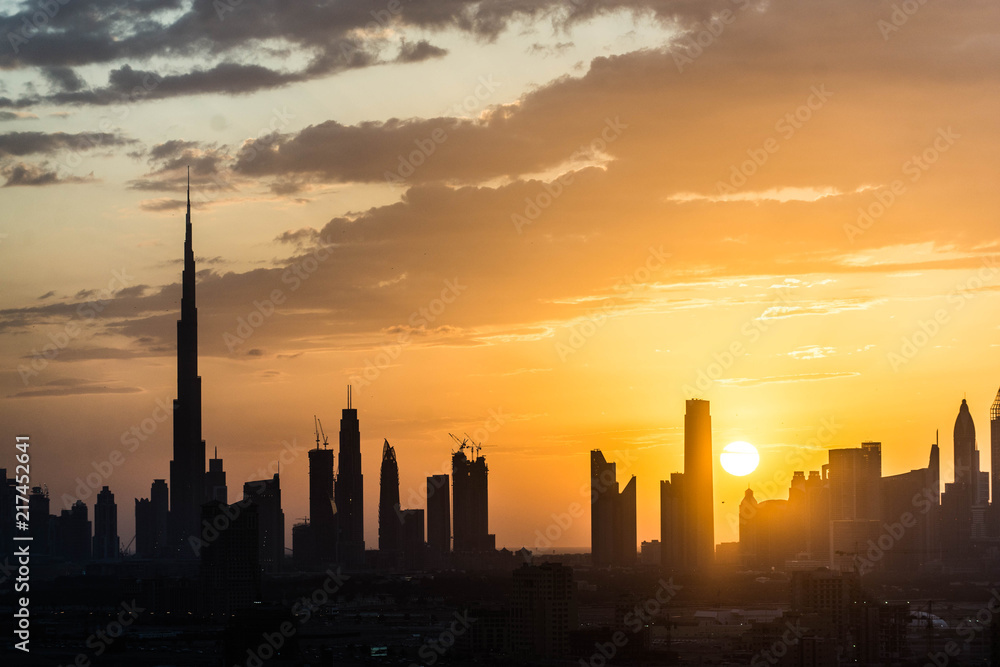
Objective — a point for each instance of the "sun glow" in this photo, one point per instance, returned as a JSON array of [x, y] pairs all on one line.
[[739, 458]]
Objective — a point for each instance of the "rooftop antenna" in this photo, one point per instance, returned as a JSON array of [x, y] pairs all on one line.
[[348, 397]]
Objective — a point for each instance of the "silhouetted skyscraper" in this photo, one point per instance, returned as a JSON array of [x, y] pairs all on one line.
[[613, 518], [265, 494], [321, 533], [349, 490], [411, 539], [159, 498], [698, 481], [855, 507], [389, 517], [215, 480], [470, 504], [438, 516], [910, 499], [187, 469], [965, 447], [105, 526], [71, 533], [673, 515]]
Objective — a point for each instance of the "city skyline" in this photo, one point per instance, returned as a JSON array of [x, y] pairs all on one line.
[[866, 324]]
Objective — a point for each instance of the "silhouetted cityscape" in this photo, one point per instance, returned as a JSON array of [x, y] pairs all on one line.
[[852, 567]]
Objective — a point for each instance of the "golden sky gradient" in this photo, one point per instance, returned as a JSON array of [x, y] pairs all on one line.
[[594, 211]]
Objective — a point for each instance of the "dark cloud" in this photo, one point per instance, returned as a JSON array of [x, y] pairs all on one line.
[[23, 174], [64, 79], [29, 143], [413, 52], [17, 115]]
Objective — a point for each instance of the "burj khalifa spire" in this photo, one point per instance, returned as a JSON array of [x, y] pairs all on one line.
[[187, 469]]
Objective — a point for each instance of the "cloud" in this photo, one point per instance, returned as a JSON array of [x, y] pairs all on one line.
[[414, 52], [23, 174], [72, 387], [20, 144], [781, 379]]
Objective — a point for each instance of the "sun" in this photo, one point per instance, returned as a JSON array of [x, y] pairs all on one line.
[[739, 458]]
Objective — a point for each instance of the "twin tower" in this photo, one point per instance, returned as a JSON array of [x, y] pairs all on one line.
[[687, 516]]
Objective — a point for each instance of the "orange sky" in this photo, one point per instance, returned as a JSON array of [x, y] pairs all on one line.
[[588, 220]]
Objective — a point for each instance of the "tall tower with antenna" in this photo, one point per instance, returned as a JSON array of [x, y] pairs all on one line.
[[349, 490], [187, 468]]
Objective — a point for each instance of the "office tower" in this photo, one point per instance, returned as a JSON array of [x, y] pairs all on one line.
[[412, 547], [215, 480], [910, 510], [230, 570], [965, 448], [543, 611], [962, 506], [145, 539], [159, 499], [389, 517], [265, 494], [698, 463], [321, 532], [818, 515], [855, 508], [71, 534], [105, 526], [613, 518], [673, 553], [438, 516], [38, 507], [187, 469], [349, 490], [470, 503], [995, 462]]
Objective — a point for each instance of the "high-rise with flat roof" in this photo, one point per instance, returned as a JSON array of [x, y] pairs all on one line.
[[698, 465]]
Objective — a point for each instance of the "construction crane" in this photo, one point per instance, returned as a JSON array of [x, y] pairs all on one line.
[[475, 446], [319, 431], [462, 444]]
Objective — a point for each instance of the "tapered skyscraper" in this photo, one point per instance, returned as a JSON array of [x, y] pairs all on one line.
[[965, 447], [389, 524], [187, 469], [349, 490], [698, 462]]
